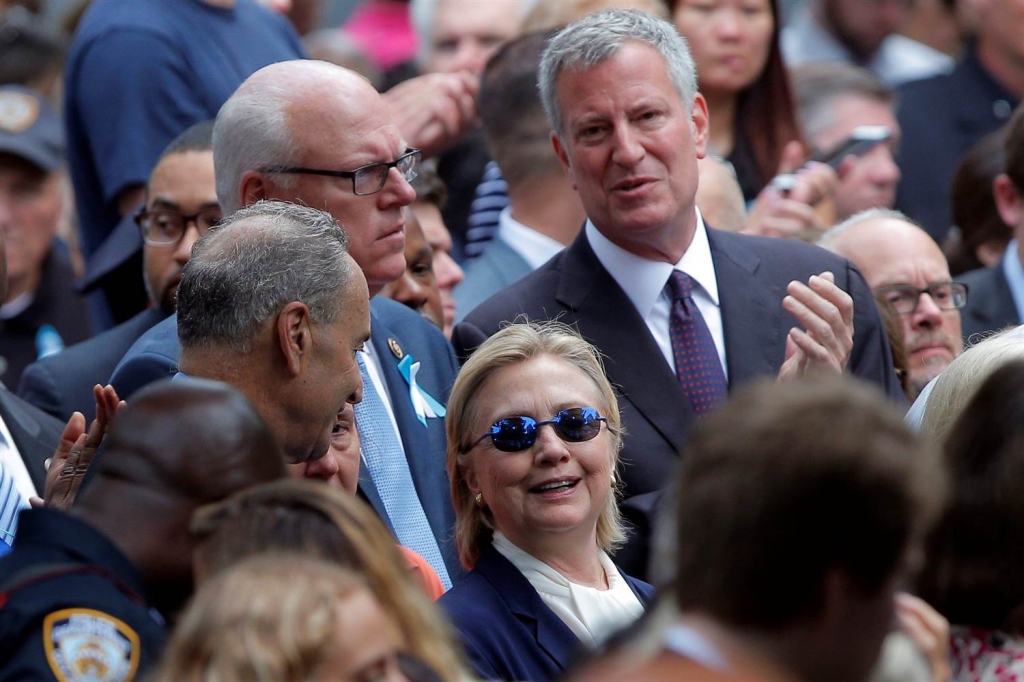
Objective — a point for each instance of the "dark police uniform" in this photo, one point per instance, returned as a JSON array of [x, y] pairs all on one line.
[[71, 606]]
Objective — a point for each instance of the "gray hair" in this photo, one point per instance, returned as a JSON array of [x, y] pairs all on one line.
[[828, 239], [244, 271], [597, 37], [251, 132], [817, 86]]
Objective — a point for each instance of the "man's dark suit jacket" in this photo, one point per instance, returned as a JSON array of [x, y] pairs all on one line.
[[752, 274], [507, 630], [35, 433], [155, 356], [990, 305], [62, 384], [941, 118]]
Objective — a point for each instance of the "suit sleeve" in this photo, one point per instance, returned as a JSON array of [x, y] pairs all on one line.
[[38, 387], [871, 359]]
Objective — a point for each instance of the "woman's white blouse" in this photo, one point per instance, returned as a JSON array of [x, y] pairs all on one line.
[[591, 614]]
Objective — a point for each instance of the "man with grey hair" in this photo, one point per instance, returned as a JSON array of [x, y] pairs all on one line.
[[317, 134], [682, 312], [286, 337], [905, 267], [848, 116]]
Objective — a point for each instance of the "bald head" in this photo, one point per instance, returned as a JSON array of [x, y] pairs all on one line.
[[891, 251], [179, 445], [292, 117]]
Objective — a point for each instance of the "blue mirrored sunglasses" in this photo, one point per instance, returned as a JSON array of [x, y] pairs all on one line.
[[573, 425]]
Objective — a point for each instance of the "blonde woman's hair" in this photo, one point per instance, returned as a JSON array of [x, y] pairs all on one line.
[[272, 617], [313, 519], [516, 344], [958, 383]]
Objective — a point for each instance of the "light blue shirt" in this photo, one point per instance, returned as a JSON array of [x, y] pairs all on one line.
[[1014, 273]]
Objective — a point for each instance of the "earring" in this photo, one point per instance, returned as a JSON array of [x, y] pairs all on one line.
[[480, 500], [614, 482]]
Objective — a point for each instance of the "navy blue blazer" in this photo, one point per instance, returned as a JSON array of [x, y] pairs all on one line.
[[507, 630], [155, 356], [752, 274], [61, 384], [941, 118], [990, 305]]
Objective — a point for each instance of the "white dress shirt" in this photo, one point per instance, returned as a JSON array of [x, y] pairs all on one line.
[[590, 613], [644, 282], [535, 248]]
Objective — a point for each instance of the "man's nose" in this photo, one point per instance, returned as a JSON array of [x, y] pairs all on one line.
[[628, 150], [928, 314], [397, 190]]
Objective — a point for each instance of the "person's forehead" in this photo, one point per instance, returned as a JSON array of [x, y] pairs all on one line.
[[850, 111], [889, 251], [175, 168], [453, 18], [636, 63], [344, 130]]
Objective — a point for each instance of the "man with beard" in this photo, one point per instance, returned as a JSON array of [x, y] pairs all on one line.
[[903, 264], [181, 204]]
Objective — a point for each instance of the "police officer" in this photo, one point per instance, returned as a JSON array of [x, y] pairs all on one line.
[[85, 594]]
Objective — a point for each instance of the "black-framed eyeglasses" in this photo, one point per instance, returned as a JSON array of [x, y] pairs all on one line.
[[573, 425], [904, 298], [368, 179], [166, 227]]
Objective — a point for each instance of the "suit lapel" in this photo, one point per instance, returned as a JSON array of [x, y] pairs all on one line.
[[25, 432], [552, 635], [751, 308], [633, 360]]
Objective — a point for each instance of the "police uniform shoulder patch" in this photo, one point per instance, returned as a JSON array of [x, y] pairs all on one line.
[[88, 645]]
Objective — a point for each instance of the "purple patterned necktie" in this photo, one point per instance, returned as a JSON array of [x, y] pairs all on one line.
[[698, 367]]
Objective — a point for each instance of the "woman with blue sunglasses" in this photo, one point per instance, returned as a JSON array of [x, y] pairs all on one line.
[[533, 441]]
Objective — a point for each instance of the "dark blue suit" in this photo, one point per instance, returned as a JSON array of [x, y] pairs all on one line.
[[62, 384], [990, 305], [752, 274], [941, 119], [155, 356], [507, 630]]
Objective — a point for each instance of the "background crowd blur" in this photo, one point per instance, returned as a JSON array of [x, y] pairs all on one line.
[[172, 174]]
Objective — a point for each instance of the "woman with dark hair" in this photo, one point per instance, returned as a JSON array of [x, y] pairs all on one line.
[[739, 67], [974, 569], [754, 126]]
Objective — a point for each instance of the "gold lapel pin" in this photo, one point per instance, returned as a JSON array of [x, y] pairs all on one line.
[[396, 349]]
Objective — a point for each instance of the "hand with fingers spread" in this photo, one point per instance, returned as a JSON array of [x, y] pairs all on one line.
[[929, 631], [826, 314], [804, 210], [67, 467], [434, 110]]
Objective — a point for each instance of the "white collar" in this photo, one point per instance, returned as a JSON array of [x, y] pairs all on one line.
[[644, 280], [535, 248]]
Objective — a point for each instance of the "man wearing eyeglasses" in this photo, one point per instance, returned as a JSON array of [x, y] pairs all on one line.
[[181, 204], [316, 134], [903, 265]]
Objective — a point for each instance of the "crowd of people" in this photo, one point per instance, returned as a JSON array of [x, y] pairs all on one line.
[[512, 340]]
